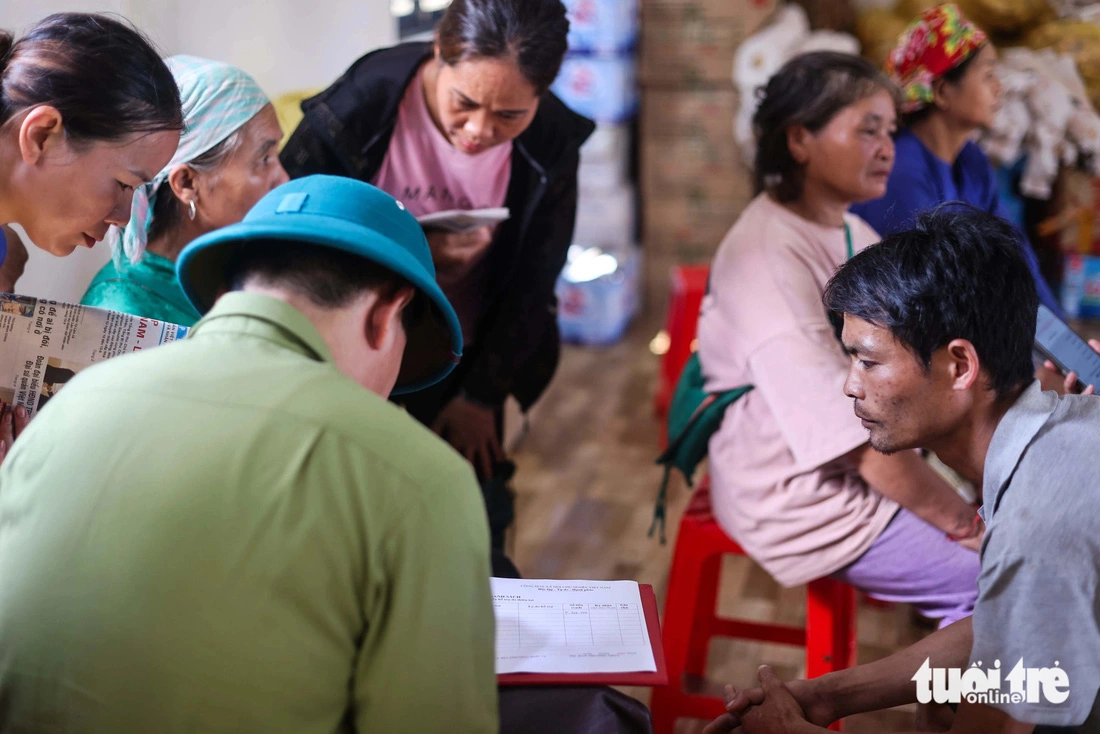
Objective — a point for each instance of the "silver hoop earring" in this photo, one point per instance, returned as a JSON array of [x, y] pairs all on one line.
[[192, 210]]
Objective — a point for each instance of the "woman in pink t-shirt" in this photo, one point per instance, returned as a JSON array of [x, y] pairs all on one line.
[[467, 122], [794, 478]]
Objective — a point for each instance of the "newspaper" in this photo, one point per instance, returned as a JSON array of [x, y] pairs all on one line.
[[44, 343]]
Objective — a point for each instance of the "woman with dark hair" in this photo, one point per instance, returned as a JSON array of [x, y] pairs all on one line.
[[88, 113], [793, 478], [946, 68], [467, 122]]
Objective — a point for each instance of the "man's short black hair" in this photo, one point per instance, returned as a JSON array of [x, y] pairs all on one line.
[[328, 277], [958, 274]]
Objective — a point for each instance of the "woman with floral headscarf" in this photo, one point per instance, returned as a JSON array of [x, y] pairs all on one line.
[[945, 66], [226, 161]]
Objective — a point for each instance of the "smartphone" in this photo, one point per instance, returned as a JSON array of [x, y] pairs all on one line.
[[1069, 352]]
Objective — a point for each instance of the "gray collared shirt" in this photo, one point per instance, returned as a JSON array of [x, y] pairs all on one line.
[[1039, 588]]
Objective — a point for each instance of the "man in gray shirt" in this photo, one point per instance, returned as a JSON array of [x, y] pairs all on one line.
[[1041, 555], [939, 322]]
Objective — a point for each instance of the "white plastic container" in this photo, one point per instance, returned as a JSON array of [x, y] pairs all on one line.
[[598, 294], [606, 217], [605, 158], [603, 26], [601, 87]]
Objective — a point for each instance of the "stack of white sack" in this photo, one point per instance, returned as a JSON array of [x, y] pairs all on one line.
[[764, 53], [1047, 115]]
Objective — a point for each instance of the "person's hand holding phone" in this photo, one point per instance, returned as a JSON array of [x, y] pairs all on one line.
[[1051, 378]]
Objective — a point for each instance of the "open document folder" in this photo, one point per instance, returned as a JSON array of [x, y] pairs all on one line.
[[577, 632]]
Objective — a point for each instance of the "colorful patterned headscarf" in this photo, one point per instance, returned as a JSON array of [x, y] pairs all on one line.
[[218, 99], [936, 42]]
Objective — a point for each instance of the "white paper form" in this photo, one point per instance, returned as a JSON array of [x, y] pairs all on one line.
[[570, 627]]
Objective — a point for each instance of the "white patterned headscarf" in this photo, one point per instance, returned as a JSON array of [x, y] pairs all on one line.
[[218, 99]]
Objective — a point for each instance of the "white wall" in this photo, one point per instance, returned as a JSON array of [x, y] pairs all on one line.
[[285, 44]]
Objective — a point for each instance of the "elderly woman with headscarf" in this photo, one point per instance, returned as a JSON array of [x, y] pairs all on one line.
[[226, 161]]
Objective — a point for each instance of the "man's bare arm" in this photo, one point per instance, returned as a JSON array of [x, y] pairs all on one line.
[[907, 479]]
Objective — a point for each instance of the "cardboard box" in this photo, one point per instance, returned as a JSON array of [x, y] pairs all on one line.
[[1074, 190], [702, 113], [603, 26], [694, 184], [693, 41], [690, 220], [688, 135]]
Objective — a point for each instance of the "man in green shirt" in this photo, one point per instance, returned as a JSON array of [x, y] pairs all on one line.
[[230, 534]]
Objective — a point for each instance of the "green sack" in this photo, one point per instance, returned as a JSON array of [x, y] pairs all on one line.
[[693, 417]]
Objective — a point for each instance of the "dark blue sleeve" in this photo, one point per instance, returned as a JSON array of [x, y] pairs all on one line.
[[907, 195], [1046, 293], [3, 246], [995, 205]]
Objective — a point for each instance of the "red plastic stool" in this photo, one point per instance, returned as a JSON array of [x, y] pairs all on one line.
[[689, 285], [691, 619]]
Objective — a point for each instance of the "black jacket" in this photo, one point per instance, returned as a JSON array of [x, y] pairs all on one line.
[[346, 130]]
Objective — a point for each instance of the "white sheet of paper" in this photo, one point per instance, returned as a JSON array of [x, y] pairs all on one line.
[[463, 220], [570, 627]]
